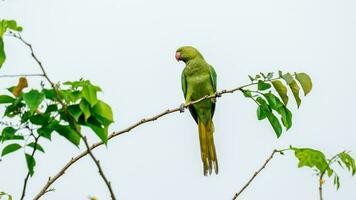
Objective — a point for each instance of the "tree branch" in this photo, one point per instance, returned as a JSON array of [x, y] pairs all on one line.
[[28, 173], [321, 182], [256, 173], [71, 121], [19, 75]]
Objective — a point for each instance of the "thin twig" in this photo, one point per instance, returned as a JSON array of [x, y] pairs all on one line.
[[321, 182], [96, 161], [19, 75], [256, 173], [28, 173]]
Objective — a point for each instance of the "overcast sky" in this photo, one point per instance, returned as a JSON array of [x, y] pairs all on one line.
[[127, 47]]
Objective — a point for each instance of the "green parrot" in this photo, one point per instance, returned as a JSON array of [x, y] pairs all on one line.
[[199, 80]]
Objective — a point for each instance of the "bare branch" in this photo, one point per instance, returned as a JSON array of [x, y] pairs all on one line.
[[71, 120], [255, 174], [19, 75], [321, 182]]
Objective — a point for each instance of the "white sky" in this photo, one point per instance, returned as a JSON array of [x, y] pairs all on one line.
[[127, 47]]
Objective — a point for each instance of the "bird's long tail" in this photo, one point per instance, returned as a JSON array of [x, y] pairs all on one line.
[[207, 147]]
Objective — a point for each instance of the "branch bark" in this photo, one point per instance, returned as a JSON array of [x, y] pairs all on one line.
[[321, 182], [255, 174], [71, 120]]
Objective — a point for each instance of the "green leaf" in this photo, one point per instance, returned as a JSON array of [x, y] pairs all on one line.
[[101, 132], [273, 101], [330, 172], [50, 94], [74, 96], [6, 99], [25, 116], [36, 146], [273, 120], [286, 116], [337, 181], [40, 119], [14, 108], [288, 78], [46, 131], [295, 90], [51, 108], [2, 52], [263, 85], [305, 81], [247, 93], [281, 90], [67, 132], [33, 99], [311, 158], [348, 161], [103, 113], [261, 113], [11, 24], [85, 108], [269, 75], [31, 163], [10, 148], [75, 111], [8, 133], [251, 78], [89, 93]]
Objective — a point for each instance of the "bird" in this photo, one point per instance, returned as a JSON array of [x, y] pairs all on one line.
[[198, 80]]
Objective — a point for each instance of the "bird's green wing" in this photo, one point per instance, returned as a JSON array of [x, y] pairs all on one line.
[[184, 84], [184, 88], [213, 77]]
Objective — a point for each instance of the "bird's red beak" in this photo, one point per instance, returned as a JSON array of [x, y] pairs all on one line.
[[178, 56]]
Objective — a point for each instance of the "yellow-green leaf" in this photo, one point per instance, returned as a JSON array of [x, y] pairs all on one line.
[[306, 82], [295, 90], [311, 158], [103, 113], [281, 89]]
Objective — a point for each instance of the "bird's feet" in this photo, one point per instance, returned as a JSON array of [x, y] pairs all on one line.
[[217, 94], [182, 107]]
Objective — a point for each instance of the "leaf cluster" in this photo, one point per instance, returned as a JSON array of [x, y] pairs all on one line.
[[271, 96], [41, 113], [316, 160]]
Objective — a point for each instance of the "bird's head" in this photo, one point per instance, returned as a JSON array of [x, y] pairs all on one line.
[[187, 53]]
